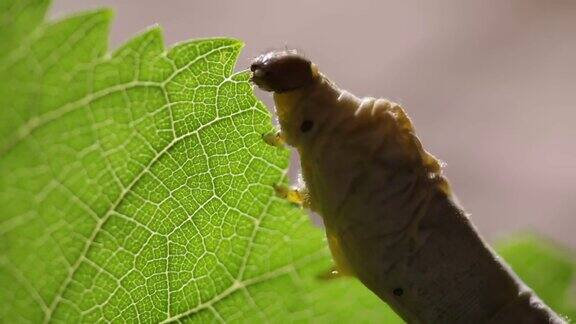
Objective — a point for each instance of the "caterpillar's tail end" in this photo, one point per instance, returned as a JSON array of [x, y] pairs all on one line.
[[281, 71]]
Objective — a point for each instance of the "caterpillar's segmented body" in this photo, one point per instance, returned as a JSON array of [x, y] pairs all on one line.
[[388, 211]]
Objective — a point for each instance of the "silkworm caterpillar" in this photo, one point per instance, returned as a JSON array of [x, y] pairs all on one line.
[[390, 217]]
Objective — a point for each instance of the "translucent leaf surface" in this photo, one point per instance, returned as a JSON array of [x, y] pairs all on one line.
[[135, 186]]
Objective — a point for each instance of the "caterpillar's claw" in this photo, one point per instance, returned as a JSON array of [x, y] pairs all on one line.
[[293, 195], [274, 138], [331, 274]]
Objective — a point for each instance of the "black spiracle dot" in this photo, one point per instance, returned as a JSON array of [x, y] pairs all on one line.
[[306, 126], [398, 292]]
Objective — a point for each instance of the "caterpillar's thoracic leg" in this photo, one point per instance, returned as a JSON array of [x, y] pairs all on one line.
[[274, 139], [298, 196], [331, 274]]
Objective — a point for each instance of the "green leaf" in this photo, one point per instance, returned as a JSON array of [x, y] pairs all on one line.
[[135, 186]]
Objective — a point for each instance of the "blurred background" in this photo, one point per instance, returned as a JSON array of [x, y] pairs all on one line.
[[490, 85]]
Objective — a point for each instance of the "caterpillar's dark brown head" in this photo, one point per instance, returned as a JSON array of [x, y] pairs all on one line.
[[281, 71]]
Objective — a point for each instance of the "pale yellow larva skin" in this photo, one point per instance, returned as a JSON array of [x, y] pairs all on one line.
[[389, 215]]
